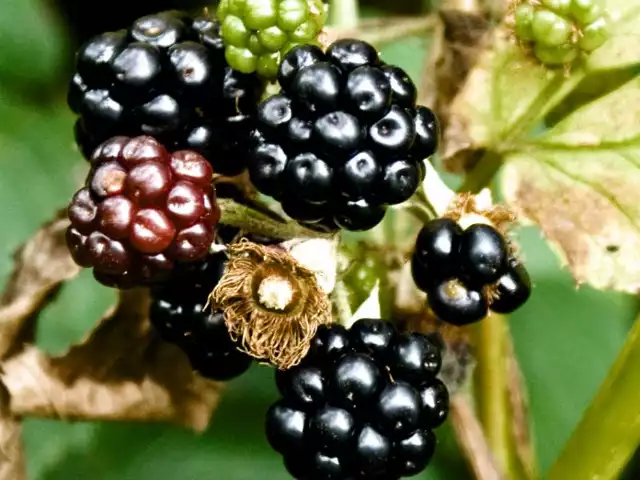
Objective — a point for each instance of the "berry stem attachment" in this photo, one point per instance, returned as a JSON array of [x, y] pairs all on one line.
[[609, 432], [344, 13], [491, 384]]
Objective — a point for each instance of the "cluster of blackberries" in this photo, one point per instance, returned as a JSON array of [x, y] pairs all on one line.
[[343, 139], [141, 211], [361, 405], [466, 272], [179, 316], [165, 76]]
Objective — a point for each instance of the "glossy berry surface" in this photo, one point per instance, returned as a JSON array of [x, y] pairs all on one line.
[[165, 76], [457, 269], [361, 405], [344, 139], [456, 303], [257, 33], [513, 288], [179, 315], [141, 212]]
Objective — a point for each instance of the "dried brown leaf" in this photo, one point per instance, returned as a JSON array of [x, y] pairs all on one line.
[[40, 266], [460, 38], [121, 372], [471, 439], [12, 461]]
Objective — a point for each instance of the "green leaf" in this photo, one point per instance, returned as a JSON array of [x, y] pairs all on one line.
[[34, 45], [579, 182]]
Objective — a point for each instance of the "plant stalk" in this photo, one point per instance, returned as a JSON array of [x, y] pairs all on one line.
[[344, 13], [491, 382], [609, 432]]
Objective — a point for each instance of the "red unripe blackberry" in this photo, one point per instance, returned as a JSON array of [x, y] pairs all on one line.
[[142, 209]]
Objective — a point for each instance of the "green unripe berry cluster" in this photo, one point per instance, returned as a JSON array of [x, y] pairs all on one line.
[[257, 33], [559, 30]]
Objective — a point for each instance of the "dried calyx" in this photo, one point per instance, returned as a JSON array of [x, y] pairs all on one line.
[[272, 305]]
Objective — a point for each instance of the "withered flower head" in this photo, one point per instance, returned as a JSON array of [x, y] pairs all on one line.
[[272, 305]]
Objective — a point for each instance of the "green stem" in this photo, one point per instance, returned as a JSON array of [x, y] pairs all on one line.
[[344, 13], [491, 384], [482, 174], [341, 303], [609, 431]]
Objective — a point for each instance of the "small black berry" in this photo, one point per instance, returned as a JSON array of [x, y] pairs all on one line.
[[413, 454], [355, 381], [372, 453], [435, 403], [285, 428], [512, 289], [331, 429], [458, 304], [483, 254], [398, 410], [374, 336], [303, 386], [329, 344], [414, 358], [437, 248]]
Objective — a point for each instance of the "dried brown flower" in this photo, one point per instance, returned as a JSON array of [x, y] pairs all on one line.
[[272, 305]]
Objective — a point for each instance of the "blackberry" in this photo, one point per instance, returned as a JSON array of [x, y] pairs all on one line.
[[165, 76], [258, 32], [467, 272], [344, 139], [178, 315], [559, 30], [141, 212], [361, 405]]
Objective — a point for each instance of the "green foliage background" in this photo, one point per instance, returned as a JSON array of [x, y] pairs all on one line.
[[565, 339]]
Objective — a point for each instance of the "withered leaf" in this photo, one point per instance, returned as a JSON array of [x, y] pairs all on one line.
[[123, 371], [12, 461], [40, 266], [579, 182]]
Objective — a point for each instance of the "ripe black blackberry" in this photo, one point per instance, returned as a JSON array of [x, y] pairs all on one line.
[[361, 405], [467, 272], [344, 139], [165, 76], [141, 212], [178, 315]]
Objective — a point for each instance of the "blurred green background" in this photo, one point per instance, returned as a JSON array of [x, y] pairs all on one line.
[[566, 339]]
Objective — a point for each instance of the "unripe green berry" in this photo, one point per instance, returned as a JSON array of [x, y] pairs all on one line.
[[559, 6], [524, 19], [234, 32], [241, 59], [260, 14], [586, 12], [594, 35], [550, 29], [268, 65], [254, 45], [236, 7], [223, 9], [291, 13], [306, 32], [555, 56], [272, 38]]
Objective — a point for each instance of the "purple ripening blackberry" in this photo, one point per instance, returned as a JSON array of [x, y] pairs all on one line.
[[362, 405], [142, 212], [344, 139], [165, 76], [178, 314], [466, 273]]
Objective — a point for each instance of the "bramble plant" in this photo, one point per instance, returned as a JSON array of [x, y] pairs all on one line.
[[271, 187]]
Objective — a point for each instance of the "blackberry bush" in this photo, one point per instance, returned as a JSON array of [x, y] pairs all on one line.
[[362, 405], [464, 272], [165, 76], [258, 32], [142, 211], [179, 315], [344, 139]]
